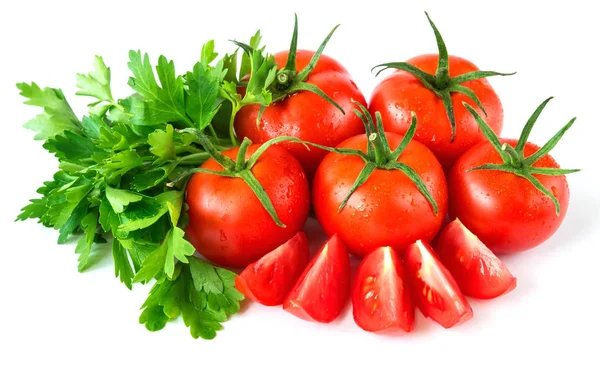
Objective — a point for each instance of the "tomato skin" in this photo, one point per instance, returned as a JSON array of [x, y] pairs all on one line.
[[380, 296], [434, 289], [478, 272], [505, 211], [270, 279], [388, 209], [400, 93], [228, 224], [323, 289], [306, 115]]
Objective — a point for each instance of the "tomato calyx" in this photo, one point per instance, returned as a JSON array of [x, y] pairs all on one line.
[[240, 168], [379, 154], [289, 80], [441, 83], [514, 160]]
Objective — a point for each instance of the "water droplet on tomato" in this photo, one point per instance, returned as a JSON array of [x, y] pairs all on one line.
[[223, 236], [554, 191]]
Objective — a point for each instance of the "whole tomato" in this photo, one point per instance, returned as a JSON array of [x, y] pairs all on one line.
[[511, 194], [434, 86], [228, 224], [307, 104], [402, 199]]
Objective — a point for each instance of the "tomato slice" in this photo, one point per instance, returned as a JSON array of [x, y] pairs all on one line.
[[380, 297], [478, 272], [324, 287], [434, 289], [269, 279]]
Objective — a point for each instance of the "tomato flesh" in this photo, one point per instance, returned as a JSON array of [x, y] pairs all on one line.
[[323, 289], [270, 279], [229, 225], [435, 291], [478, 272], [380, 297]]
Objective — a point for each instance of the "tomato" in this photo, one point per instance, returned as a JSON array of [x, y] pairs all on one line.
[[507, 212], [434, 289], [478, 272], [229, 225], [307, 115], [269, 279], [435, 92], [323, 289], [380, 296], [388, 209]]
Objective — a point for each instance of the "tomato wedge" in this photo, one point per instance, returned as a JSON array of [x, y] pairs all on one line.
[[380, 297], [270, 279], [324, 287], [478, 272], [434, 289]]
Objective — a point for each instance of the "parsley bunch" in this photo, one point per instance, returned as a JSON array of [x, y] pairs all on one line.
[[120, 167]]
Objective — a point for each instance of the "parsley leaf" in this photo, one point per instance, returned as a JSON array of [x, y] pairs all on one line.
[[58, 115], [162, 144], [182, 296], [97, 83], [202, 102], [123, 268], [164, 103], [84, 245]]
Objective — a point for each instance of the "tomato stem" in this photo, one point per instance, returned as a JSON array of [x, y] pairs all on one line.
[[380, 156], [441, 83], [514, 160], [240, 162]]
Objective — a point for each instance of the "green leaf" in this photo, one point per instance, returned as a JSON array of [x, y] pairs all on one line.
[[151, 178], [35, 209], [142, 214], [152, 266], [246, 66], [208, 53], [177, 247], [119, 198], [109, 219], [163, 258], [71, 147], [92, 125], [84, 245], [173, 199], [97, 83], [262, 76], [119, 164], [58, 115], [164, 103], [162, 144], [205, 277], [123, 268], [202, 102]]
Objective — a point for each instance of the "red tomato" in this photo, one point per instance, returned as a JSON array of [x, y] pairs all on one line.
[[478, 272], [229, 225], [305, 114], [401, 93], [270, 279], [380, 297], [388, 209], [434, 289], [504, 210], [323, 288]]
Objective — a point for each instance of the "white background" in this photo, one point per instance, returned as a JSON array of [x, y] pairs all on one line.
[[49, 312]]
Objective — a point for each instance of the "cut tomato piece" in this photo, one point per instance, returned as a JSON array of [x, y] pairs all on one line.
[[270, 279], [380, 297], [476, 269], [434, 289], [323, 289]]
